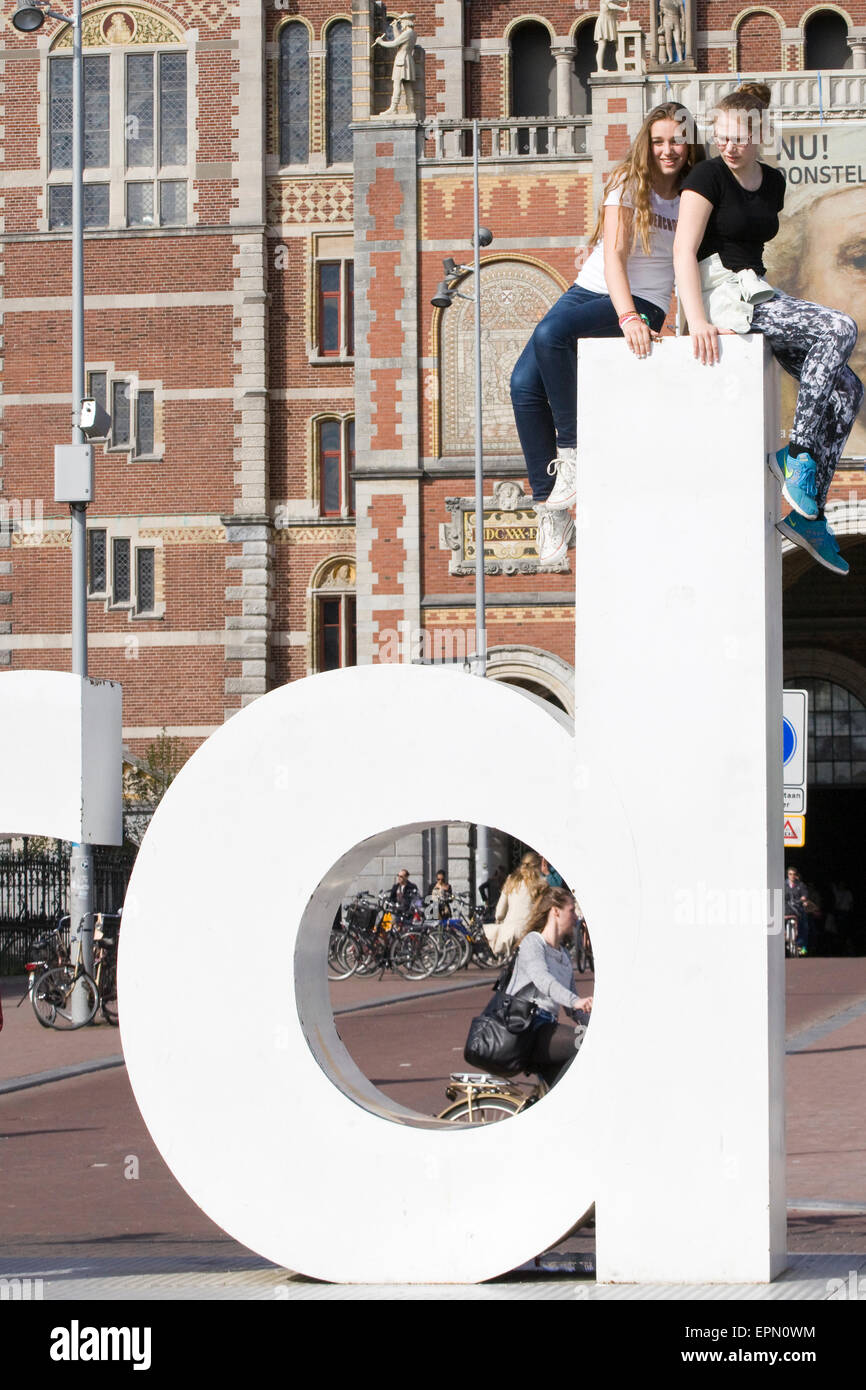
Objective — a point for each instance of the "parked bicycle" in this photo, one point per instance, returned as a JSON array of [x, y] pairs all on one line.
[[64, 995]]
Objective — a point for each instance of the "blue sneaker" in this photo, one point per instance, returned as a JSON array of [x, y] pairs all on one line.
[[799, 487], [776, 464], [816, 537]]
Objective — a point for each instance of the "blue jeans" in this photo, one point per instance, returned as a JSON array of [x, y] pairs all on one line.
[[544, 380]]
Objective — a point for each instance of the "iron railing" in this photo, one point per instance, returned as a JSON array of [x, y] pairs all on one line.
[[34, 894]]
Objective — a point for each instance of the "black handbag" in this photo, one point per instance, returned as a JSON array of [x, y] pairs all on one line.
[[500, 1039]]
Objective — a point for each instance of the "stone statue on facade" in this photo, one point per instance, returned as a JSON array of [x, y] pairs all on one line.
[[671, 27], [605, 28], [403, 71]]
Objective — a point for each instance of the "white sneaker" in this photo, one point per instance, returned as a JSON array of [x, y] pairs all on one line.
[[554, 532], [564, 469]]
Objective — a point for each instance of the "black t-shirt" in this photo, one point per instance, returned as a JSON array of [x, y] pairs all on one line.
[[740, 222]]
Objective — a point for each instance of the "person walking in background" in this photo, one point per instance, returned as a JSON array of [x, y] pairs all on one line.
[[515, 904]]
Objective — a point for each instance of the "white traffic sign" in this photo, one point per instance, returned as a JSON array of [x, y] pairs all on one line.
[[795, 711]]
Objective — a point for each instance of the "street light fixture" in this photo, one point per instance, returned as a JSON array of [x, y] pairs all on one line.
[[28, 18]]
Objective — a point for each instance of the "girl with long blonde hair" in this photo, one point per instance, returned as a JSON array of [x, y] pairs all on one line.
[[516, 900], [624, 288]]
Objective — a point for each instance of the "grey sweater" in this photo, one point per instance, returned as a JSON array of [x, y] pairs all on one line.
[[548, 969]]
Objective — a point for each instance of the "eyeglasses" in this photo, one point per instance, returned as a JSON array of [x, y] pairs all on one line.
[[722, 140]]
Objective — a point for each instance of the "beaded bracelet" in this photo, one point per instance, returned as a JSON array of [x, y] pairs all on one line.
[[633, 314]]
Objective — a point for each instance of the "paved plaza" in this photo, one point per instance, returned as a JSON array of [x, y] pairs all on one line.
[[70, 1123]]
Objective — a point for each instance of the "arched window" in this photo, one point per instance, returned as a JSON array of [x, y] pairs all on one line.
[[333, 596], [826, 42], [759, 43], [338, 87], [137, 150], [294, 83], [533, 79], [584, 67], [837, 735]]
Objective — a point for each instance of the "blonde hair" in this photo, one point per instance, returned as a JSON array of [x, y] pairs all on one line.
[[529, 872], [633, 175]]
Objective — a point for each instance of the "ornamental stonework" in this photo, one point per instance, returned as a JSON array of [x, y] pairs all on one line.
[[309, 200], [510, 533], [186, 535], [121, 25], [514, 296]]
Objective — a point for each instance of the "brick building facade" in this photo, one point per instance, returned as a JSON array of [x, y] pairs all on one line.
[[292, 435]]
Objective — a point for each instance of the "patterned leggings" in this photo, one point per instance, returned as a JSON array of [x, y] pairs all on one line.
[[813, 344]]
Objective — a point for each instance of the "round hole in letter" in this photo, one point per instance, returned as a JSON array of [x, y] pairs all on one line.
[[414, 1040]]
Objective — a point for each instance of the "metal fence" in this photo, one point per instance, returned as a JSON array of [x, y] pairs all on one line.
[[34, 893]]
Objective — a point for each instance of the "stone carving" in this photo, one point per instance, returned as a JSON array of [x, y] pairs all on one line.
[[605, 28], [338, 574], [510, 531], [514, 296], [306, 200], [101, 28], [671, 48], [403, 71]]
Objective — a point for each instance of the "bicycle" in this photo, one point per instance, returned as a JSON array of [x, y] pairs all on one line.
[[105, 964], [66, 996], [791, 935], [480, 1099]]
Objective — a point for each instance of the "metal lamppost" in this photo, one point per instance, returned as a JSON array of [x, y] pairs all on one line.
[[443, 297], [74, 466]]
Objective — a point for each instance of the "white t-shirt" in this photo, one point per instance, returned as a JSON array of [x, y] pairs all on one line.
[[650, 277]]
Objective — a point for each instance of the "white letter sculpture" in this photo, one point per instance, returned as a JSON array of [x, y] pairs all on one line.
[[664, 812]]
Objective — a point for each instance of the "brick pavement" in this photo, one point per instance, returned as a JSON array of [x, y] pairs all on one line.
[[152, 1219]]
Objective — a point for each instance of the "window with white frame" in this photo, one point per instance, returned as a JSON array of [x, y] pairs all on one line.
[[133, 410], [136, 152], [122, 572]]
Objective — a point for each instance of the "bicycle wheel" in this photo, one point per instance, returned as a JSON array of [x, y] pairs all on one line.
[[344, 955], [414, 955], [449, 952], [486, 1109], [54, 998]]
